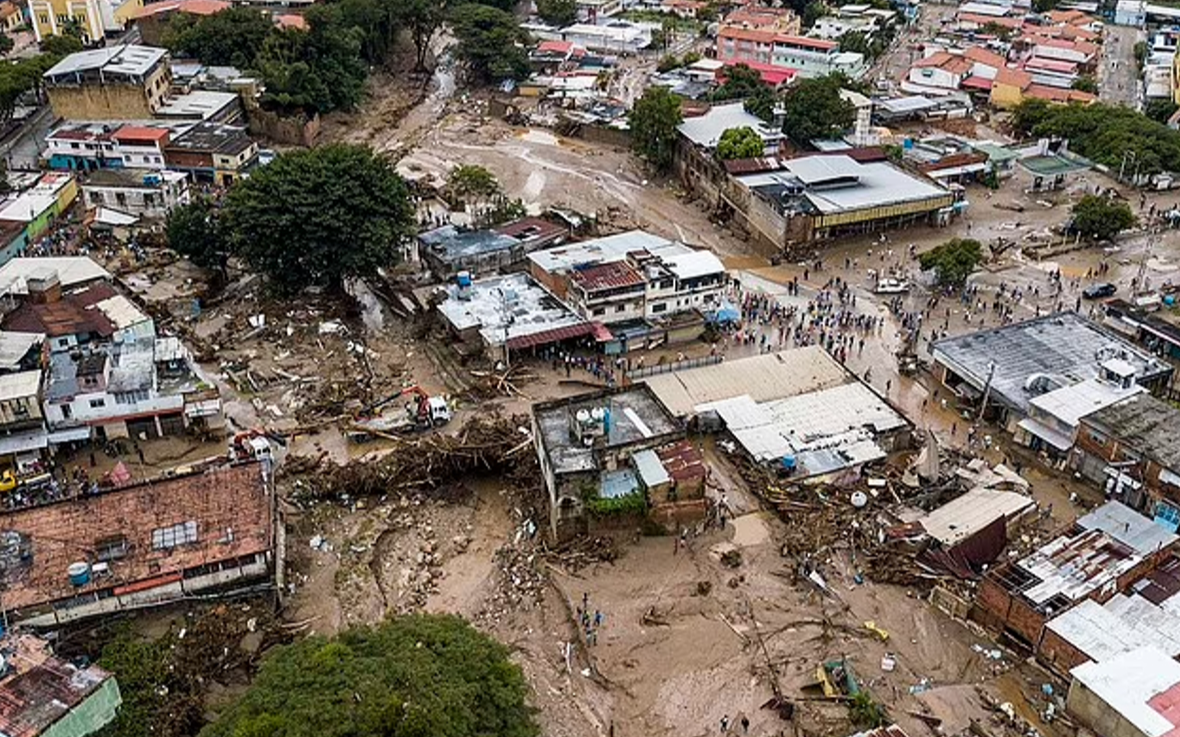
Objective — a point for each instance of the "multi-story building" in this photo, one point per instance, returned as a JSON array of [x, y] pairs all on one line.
[[809, 57], [144, 192], [213, 153], [762, 18], [91, 19], [11, 17], [610, 292], [37, 206], [112, 83], [86, 147], [22, 423]]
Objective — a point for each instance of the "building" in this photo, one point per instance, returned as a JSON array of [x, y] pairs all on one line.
[[1155, 331], [93, 19], [1006, 367], [36, 207], [72, 272], [209, 105], [448, 250], [1103, 553], [705, 130], [1052, 422], [1130, 13], [511, 313], [111, 83], [763, 18], [11, 17], [108, 375], [853, 18], [1130, 448], [1148, 615], [822, 196], [1012, 86], [148, 543], [587, 446], [938, 74], [45, 696], [591, 11], [212, 153], [23, 437], [86, 147], [147, 193], [1136, 694], [616, 37], [974, 528], [798, 411], [154, 18], [668, 285], [809, 57]]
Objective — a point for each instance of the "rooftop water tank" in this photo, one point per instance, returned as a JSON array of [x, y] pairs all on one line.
[[79, 573]]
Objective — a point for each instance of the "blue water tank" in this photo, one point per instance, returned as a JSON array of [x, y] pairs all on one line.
[[788, 463], [1169, 299], [79, 573]]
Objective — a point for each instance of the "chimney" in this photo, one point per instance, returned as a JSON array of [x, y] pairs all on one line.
[[44, 287]]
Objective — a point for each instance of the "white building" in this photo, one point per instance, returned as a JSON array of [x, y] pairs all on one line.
[[83, 147], [1133, 694], [150, 194], [815, 57], [616, 37], [706, 130]]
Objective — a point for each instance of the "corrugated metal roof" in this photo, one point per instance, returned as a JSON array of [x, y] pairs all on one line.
[[611, 275], [1129, 527], [15, 346], [651, 471], [960, 519], [1129, 681], [1123, 624]]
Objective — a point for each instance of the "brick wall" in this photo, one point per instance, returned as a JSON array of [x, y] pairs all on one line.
[[1058, 654]]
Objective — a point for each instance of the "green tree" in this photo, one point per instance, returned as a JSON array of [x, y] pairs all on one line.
[[762, 103], [1086, 83], [59, 46], [991, 28], [558, 12], [195, 231], [740, 82], [472, 184], [6, 43], [423, 18], [855, 42], [812, 12], [739, 143], [491, 43], [814, 110], [413, 675], [667, 63], [317, 217], [1140, 51], [1101, 218], [1160, 110], [953, 261], [233, 36], [317, 70], [377, 21], [654, 119]]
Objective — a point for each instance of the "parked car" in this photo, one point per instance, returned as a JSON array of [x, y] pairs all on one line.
[[1099, 291]]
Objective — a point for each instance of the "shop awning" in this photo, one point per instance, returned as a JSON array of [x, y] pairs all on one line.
[[553, 335], [23, 442], [1046, 433], [72, 435]]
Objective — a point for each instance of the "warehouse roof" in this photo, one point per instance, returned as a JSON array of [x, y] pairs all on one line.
[[1145, 424], [1038, 355], [130, 60]]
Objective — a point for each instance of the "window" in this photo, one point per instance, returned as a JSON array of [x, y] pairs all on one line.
[[67, 411], [166, 538], [63, 342], [97, 403], [620, 308], [96, 198], [110, 548], [75, 145], [659, 307], [666, 284], [1097, 437], [121, 199], [44, 19], [599, 311]]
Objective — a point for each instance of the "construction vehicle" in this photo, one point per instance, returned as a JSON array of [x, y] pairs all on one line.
[[422, 412], [250, 445]]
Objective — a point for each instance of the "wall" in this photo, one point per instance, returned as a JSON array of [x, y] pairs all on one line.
[[100, 102], [1092, 711], [1006, 95], [20, 411], [293, 131], [1058, 654]]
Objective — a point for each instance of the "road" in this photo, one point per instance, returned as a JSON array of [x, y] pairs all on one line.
[[1118, 75]]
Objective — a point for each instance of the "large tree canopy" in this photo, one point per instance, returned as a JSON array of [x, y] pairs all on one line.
[[814, 110], [413, 676], [314, 218], [654, 120], [195, 230], [739, 143], [491, 43], [953, 261], [1101, 218], [233, 36]]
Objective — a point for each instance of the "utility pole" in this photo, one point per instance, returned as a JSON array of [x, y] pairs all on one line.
[[987, 389]]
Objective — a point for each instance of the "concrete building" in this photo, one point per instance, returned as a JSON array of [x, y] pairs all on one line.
[[146, 193], [705, 130], [797, 411], [809, 57], [147, 543], [1136, 694], [1131, 449], [1052, 422], [1105, 552], [86, 147], [93, 19], [212, 153], [853, 18], [23, 437], [1006, 367], [508, 313], [614, 37], [45, 696], [112, 83], [823, 196], [586, 446], [72, 272], [208, 105], [11, 17], [763, 18], [37, 207], [448, 250]]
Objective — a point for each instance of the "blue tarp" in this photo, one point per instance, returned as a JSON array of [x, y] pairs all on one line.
[[725, 313]]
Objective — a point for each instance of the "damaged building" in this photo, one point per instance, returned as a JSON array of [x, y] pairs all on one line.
[[139, 545], [618, 444], [447, 250], [1103, 553], [43, 695], [798, 411]]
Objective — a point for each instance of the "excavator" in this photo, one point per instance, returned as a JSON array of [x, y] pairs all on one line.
[[422, 412]]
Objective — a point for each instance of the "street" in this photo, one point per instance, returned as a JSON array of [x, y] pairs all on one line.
[[1118, 75]]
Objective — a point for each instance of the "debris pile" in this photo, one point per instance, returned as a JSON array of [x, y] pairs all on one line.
[[521, 583], [486, 444]]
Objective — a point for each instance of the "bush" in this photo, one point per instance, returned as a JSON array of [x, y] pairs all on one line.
[[634, 503]]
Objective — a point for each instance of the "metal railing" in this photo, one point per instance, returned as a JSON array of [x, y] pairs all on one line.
[[663, 368]]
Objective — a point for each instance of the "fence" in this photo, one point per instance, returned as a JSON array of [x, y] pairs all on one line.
[[663, 368]]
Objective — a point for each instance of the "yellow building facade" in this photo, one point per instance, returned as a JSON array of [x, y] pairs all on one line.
[[92, 18]]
